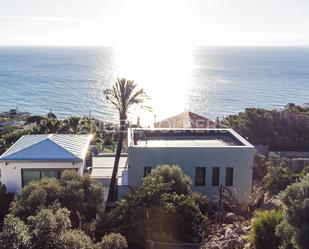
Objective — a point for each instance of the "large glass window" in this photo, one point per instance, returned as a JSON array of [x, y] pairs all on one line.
[[215, 176], [36, 174], [50, 173], [200, 174], [229, 176], [30, 175]]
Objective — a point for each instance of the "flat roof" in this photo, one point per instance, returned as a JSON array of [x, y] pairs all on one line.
[[183, 143], [210, 138], [102, 166]]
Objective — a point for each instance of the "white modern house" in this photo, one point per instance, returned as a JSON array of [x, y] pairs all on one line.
[[211, 157], [33, 157]]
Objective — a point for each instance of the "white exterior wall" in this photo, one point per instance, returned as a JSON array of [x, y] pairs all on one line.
[[11, 173], [240, 158]]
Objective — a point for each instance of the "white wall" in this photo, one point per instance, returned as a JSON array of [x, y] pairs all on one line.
[[240, 158], [11, 173]]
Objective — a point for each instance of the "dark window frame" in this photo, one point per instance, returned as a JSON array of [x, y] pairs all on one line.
[[60, 170], [229, 177], [203, 169], [215, 180], [147, 170]]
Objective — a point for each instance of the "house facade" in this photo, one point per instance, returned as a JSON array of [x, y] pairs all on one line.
[[211, 157], [33, 157]]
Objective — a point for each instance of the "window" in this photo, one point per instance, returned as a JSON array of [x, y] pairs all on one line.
[[147, 171], [30, 175], [229, 176], [200, 174], [215, 176], [36, 174]]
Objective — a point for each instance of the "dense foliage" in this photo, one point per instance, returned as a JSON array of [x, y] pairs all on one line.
[[113, 241], [5, 201], [279, 175], [82, 195], [51, 229], [263, 229], [162, 209], [295, 228], [276, 128]]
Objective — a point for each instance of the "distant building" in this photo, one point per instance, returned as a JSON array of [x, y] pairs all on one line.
[[186, 120], [33, 157], [211, 157]]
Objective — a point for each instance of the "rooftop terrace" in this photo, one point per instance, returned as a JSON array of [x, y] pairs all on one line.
[[186, 138]]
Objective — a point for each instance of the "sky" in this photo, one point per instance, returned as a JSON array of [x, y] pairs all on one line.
[[147, 23]]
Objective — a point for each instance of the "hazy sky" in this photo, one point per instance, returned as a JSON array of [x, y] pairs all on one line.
[[155, 22]]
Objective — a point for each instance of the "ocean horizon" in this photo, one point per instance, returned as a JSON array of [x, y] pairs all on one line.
[[210, 81]]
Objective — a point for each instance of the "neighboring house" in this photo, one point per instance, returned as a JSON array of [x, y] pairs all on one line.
[[211, 157], [102, 169], [298, 158], [186, 120], [36, 156]]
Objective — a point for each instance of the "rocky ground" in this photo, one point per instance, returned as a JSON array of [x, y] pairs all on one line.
[[229, 236]]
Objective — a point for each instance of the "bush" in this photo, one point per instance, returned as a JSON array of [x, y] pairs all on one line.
[[259, 167], [15, 234], [5, 201], [81, 195], [49, 228], [76, 239], [163, 205], [263, 229], [296, 205], [277, 179], [180, 183], [113, 241]]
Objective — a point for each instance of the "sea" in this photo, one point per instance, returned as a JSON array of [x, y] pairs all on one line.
[[210, 81]]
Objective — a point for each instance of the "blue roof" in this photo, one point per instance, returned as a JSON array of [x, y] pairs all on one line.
[[50, 147]]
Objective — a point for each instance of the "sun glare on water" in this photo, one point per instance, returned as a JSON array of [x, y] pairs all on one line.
[[164, 73], [155, 51]]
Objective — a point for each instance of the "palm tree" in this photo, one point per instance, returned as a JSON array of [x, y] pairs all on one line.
[[123, 95]]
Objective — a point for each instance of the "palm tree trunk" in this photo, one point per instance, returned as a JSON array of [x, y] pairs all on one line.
[[112, 184]]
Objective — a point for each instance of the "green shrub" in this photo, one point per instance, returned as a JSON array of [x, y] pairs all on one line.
[[277, 179], [15, 234], [164, 205], [5, 201], [180, 183], [263, 229], [296, 205], [113, 241], [81, 195]]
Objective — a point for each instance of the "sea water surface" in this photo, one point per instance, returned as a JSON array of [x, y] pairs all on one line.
[[211, 81]]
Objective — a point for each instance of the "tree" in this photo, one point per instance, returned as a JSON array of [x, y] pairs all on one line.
[[279, 175], [36, 195], [73, 122], [5, 201], [81, 195], [76, 239], [47, 228], [113, 241], [281, 128], [123, 95], [180, 183], [296, 213], [15, 234], [162, 209]]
